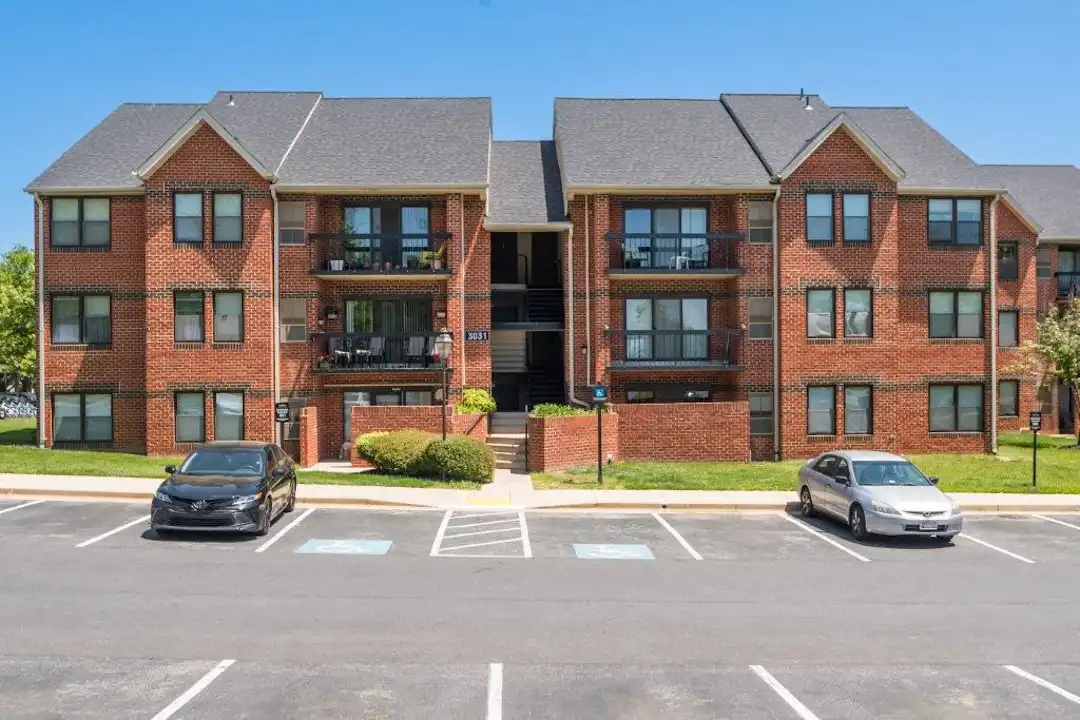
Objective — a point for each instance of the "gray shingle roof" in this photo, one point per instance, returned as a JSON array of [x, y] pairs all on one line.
[[526, 188], [653, 143], [107, 156], [393, 141], [778, 125], [1049, 193], [265, 123]]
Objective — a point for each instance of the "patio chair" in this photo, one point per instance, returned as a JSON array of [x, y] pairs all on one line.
[[415, 351], [376, 350], [335, 348]]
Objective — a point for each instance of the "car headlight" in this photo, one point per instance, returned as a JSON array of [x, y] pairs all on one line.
[[883, 508], [158, 495], [954, 507], [247, 499]]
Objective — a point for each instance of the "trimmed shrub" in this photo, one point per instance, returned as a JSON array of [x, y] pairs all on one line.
[[557, 410], [476, 400], [365, 444], [461, 458], [400, 452]]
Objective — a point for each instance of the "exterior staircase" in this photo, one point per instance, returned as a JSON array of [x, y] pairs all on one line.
[[507, 440]]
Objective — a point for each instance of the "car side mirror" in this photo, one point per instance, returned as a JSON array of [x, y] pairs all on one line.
[[842, 480], [279, 471], [933, 479], [171, 469]]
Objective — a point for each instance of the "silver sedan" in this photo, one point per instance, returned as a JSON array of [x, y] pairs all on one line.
[[877, 493]]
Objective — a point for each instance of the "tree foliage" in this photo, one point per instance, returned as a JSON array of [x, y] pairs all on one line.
[[18, 324], [1055, 353]]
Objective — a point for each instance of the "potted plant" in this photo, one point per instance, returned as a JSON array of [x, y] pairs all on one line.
[[323, 363], [432, 260]]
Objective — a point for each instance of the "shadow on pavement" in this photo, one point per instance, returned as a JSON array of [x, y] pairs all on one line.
[[199, 536], [838, 530]]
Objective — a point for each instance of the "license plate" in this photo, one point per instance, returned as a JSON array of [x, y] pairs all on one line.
[[928, 525]]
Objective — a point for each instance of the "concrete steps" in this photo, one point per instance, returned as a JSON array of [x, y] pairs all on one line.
[[507, 441]]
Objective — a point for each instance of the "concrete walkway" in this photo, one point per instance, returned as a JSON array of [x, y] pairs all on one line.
[[508, 489]]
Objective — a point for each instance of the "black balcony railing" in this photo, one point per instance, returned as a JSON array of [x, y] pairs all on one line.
[[1068, 284], [665, 251], [353, 254], [351, 352], [651, 347]]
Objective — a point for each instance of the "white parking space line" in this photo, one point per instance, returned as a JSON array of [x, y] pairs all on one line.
[[526, 545], [439, 535], [1044, 683], [495, 692], [1053, 520], [482, 532], [1003, 551], [482, 544], [20, 507], [194, 690], [793, 702], [675, 533], [102, 536], [488, 513], [824, 537], [490, 522], [282, 531], [448, 530]]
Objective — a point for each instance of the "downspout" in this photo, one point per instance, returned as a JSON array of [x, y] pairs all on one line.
[[588, 301], [776, 323], [992, 260], [461, 342], [276, 385], [41, 318], [571, 349]]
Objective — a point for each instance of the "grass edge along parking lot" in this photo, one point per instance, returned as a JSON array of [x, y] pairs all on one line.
[[1007, 472]]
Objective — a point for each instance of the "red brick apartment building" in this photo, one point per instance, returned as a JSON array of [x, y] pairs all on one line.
[[758, 275]]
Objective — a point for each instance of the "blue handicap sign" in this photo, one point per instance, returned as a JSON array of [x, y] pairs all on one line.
[[612, 552], [345, 547], [599, 392]]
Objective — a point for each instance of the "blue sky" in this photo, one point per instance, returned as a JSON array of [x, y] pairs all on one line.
[[1000, 79]]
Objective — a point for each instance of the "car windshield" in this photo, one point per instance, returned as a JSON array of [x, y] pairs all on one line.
[[888, 472], [217, 461]]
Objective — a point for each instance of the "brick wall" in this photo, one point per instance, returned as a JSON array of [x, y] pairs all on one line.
[[309, 436], [685, 431], [557, 443]]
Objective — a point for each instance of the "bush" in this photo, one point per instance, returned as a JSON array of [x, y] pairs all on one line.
[[399, 452], [476, 400], [365, 444], [557, 410], [461, 458]]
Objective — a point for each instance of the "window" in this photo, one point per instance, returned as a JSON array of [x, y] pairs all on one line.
[[820, 319], [228, 317], [1043, 269], [1008, 263], [1007, 328], [956, 314], [80, 222], [187, 218], [81, 319], [760, 309], [856, 217], [858, 312], [190, 417], [667, 329], [761, 221], [188, 325], [228, 217], [656, 237], [82, 418], [291, 222], [1009, 398], [761, 413], [229, 416], [640, 396], [393, 315], [668, 394], [819, 217], [858, 410], [954, 221], [821, 410], [956, 408], [293, 320], [414, 230]]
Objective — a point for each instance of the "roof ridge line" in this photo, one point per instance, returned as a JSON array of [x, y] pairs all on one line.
[[411, 97]]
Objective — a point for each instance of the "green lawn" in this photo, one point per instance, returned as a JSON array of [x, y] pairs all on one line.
[[17, 431], [1010, 471]]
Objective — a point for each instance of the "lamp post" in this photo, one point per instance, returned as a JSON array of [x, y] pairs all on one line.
[[444, 344]]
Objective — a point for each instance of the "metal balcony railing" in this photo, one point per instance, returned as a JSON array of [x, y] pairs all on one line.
[[355, 254], [1068, 284], [649, 347], [652, 252], [352, 352]]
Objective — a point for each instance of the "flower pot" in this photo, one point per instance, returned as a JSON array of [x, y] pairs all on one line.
[[337, 265]]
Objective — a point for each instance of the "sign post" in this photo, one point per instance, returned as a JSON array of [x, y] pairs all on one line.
[[1035, 423], [599, 399]]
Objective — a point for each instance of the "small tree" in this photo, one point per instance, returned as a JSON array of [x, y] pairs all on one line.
[[1055, 353], [18, 317]]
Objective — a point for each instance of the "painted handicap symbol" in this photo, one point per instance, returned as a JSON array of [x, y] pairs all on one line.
[[345, 547], [612, 552]]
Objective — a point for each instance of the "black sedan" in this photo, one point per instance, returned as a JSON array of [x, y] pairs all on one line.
[[226, 486]]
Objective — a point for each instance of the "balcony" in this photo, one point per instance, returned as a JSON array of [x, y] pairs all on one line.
[[350, 256], [676, 350], [363, 352], [1068, 285], [667, 255]]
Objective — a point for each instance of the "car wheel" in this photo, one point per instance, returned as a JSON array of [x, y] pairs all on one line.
[[857, 520], [268, 517], [290, 505], [807, 503]]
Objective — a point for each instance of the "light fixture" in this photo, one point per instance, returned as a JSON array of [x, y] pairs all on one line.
[[444, 343]]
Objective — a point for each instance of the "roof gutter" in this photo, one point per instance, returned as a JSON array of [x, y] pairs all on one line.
[[93, 191], [317, 189], [526, 227], [573, 190], [41, 318]]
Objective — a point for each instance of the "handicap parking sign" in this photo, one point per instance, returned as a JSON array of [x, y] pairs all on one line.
[[612, 552], [345, 547]]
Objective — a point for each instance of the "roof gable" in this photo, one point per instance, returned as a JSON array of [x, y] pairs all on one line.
[[864, 141], [1048, 194], [181, 136]]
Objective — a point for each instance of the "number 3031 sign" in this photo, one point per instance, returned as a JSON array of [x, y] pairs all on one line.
[[476, 335]]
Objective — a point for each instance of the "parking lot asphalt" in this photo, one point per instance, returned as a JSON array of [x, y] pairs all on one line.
[[485, 613]]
